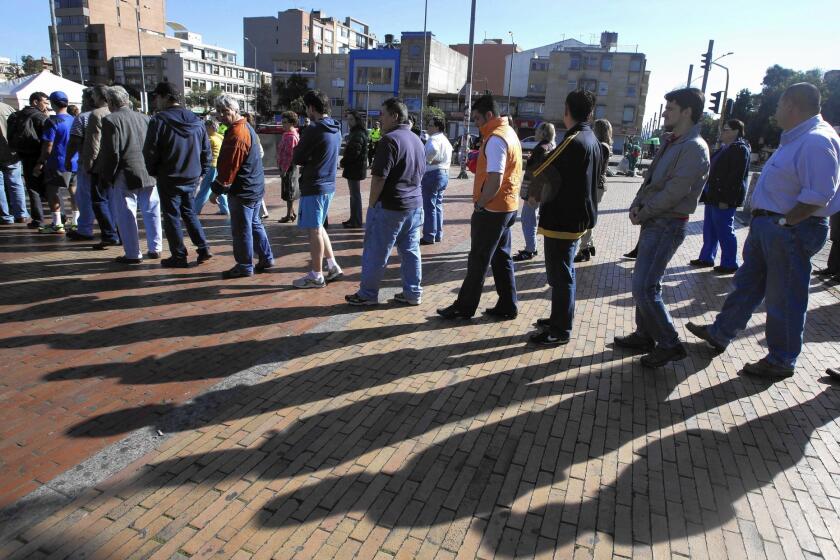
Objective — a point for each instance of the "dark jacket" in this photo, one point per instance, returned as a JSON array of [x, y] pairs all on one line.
[[573, 174], [31, 145], [121, 148], [249, 184], [538, 155], [354, 160], [317, 154], [728, 174], [177, 148]]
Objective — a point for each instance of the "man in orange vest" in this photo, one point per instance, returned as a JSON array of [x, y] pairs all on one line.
[[498, 177]]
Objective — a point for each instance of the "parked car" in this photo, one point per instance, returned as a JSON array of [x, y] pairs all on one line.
[[529, 143], [269, 128]]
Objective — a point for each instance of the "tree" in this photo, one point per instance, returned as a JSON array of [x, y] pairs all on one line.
[[290, 89], [831, 101], [431, 112], [264, 106], [199, 97], [763, 129], [30, 64], [709, 129]]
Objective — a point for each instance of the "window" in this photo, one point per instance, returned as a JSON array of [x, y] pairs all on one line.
[[202, 68], [590, 61], [571, 85], [606, 64], [344, 32], [70, 4], [536, 88], [531, 108], [589, 85], [317, 32], [631, 91], [539, 65], [412, 79], [574, 62], [71, 20], [376, 75], [603, 88], [629, 114], [328, 36], [636, 64], [600, 111]]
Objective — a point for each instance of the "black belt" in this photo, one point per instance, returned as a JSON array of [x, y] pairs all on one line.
[[756, 213]]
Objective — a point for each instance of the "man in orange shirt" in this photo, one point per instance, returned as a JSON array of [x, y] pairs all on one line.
[[498, 177]]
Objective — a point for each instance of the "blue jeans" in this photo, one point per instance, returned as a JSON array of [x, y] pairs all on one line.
[[433, 184], [248, 234], [777, 268], [12, 193], [719, 228], [100, 195], [384, 229], [490, 247], [560, 271], [659, 240], [530, 216], [355, 201], [84, 224], [176, 203], [126, 203], [203, 194]]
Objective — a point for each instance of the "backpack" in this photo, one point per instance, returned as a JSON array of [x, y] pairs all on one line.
[[23, 138]]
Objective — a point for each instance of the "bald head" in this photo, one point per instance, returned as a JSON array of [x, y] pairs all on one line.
[[804, 97]]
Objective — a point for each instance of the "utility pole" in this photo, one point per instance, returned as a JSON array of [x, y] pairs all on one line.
[[707, 64], [79, 58], [468, 94], [57, 51], [510, 68], [725, 97], [423, 70], [690, 72]]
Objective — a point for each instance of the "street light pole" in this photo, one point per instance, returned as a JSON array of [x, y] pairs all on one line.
[[57, 54], [468, 94], [510, 68], [423, 69], [367, 106], [79, 58], [144, 104], [256, 75], [725, 96]]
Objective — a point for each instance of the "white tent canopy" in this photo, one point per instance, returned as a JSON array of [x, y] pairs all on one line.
[[16, 92]]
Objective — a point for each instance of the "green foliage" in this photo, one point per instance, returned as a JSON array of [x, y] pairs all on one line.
[[30, 64], [264, 106], [709, 129], [763, 129], [199, 97], [431, 112], [290, 90], [831, 101]]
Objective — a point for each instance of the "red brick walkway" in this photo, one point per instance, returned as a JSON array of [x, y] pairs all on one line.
[[389, 433]]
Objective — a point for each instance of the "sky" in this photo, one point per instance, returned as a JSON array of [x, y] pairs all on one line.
[[800, 35]]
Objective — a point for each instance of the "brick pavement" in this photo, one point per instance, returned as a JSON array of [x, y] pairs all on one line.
[[281, 423]]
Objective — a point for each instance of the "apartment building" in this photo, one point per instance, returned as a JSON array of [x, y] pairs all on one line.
[[325, 72], [489, 59], [445, 69]]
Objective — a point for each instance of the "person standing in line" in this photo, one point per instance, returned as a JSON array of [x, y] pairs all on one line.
[[724, 193], [242, 177], [832, 267], [252, 121], [317, 154], [51, 163], [100, 191], [120, 164], [634, 152], [435, 181], [662, 207], [603, 132], [354, 165], [530, 212], [375, 135], [395, 212], [289, 175], [203, 193], [177, 153], [84, 222], [796, 193], [25, 128], [568, 209], [12, 191], [495, 200]]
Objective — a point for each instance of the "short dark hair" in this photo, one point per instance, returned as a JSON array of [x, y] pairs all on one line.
[[37, 96], [735, 124], [580, 103], [317, 100], [100, 91], [688, 98], [439, 123], [396, 108], [357, 118], [486, 104], [290, 117], [166, 89]]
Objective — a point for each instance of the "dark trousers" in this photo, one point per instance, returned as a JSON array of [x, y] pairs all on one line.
[[176, 203], [34, 187], [100, 194], [560, 270], [490, 247]]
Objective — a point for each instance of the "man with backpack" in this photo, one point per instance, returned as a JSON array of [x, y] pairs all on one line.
[[12, 193], [25, 128]]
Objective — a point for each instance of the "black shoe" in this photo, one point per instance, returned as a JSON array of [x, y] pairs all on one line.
[[545, 338], [74, 235], [424, 242], [122, 259], [632, 254], [153, 255], [204, 256], [592, 250], [764, 368], [583, 256], [542, 323], [833, 372], [524, 255], [34, 224], [453, 312], [635, 341], [702, 332], [236, 272], [174, 262], [102, 245], [726, 269], [701, 263], [263, 266], [826, 272], [661, 356], [351, 225], [499, 314]]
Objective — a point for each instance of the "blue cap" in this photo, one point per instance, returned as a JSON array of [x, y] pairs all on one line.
[[59, 96]]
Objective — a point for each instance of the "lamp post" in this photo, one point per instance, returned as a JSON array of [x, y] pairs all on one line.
[[79, 58], [367, 106], [423, 69], [54, 37], [510, 68], [468, 92], [144, 104], [256, 76], [725, 94]]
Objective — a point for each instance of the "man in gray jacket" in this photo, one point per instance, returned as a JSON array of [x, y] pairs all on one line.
[[662, 207], [121, 164], [100, 191]]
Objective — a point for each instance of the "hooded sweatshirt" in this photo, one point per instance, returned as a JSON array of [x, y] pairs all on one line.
[[177, 148], [317, 154]]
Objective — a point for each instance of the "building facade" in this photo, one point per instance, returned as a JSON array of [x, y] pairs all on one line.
[[489, 59], [325, 72], [445, 69], [373, 77]]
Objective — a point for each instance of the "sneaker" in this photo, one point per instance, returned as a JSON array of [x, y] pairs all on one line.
[[497, 313], [74, 235], [635, 341], [542, 323], [122, 259], [582, 256], [263, 266], [309, 282], [174, 262], [453, 312], [52, 228], [236, 272], [153, 255], [72, 227], [334, 273], [702, 332], [661, 356], [204, 256], [359, 301], [524, 255], [545, 338], [767, 369], [402, 298]]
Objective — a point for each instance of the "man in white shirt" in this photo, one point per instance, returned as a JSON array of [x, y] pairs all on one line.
[[435, 180]]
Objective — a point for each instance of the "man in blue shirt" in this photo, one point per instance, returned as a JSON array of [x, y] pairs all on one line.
[[54, 142], [395, 209], [795, 195]]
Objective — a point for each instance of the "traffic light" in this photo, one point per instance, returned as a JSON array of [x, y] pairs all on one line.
[[715, 106], [704, 61], [730, 106]]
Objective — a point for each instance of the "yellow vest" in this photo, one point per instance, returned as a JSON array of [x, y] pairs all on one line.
[[507, 199]]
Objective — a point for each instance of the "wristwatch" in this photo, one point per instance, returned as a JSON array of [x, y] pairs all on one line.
[[478, 208]]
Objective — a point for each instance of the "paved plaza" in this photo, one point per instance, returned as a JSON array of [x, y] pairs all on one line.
[[157, 413]]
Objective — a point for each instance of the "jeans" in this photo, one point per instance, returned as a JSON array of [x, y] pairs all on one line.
[[34, 187], [659, 240], [530, 216], [384, 229], [777, 268], [586, 240], [719, 228], [433, 184], [100, 195], [127, 201], [203, 194], [177, 204], [246, 228], [560, 271], [490, 247], [355, 201], [84, 225], [12, 193]]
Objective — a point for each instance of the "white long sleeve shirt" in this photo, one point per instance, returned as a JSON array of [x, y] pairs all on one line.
[[438, 152]]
